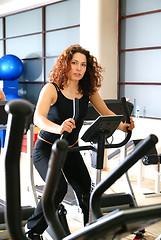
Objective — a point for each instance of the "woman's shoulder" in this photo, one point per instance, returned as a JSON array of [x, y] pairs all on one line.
[[51, 86], [48, 92], [49, 89], [55, 85]]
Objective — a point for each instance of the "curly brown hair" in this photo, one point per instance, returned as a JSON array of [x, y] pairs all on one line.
[[92, 78]]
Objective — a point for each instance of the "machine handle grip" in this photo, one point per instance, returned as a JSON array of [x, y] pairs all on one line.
[[127, 118], [17, 111], [56, 163], [126, 110], [129, 132], [75, 115], [75, 109]]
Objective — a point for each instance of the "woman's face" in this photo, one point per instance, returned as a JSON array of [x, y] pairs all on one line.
[[78, 67]]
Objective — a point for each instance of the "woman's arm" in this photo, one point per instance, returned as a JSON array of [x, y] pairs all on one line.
[[2, 96], [103, 110], [47, 97]]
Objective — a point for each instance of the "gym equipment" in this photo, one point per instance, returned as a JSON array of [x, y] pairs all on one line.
[[114, 105], [123, 167], [3, 120], [3, 115], [12, 138], [119, 107], [110, 226], [102, 128], [26, 210], [11, 67], [151, 158], [97, 133]]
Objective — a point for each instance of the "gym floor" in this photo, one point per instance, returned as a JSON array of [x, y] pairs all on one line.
[[152, 232]]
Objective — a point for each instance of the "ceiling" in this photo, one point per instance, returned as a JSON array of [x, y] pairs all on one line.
[[11, 6]]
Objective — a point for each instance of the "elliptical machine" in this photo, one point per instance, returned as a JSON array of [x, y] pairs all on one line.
[[106, 129], [110, 226], [27, 211]]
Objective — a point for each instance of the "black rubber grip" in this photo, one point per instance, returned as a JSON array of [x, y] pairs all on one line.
[[126, 109], [75, 109], [75, 115]]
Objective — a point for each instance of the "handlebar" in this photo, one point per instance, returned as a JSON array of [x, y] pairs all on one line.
[[128, 162], [56, 163], [126, 110], [111, 145], [75, 109], [75, 115], [17, 111], [129, 132]]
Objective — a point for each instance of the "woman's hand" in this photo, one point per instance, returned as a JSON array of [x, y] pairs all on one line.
[[67, 126], [127, 126]]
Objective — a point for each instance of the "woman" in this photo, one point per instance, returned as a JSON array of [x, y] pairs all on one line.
[[76, 74]]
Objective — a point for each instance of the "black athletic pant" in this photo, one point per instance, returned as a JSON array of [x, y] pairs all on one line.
[[75, 172]]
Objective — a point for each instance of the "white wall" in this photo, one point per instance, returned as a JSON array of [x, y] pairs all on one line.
[[99, 34]]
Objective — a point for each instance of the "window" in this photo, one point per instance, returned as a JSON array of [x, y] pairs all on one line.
[[1, 36], [37, 37], [140, 55]]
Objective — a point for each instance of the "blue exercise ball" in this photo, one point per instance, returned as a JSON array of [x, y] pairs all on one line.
[[11, 96], [11, 67]]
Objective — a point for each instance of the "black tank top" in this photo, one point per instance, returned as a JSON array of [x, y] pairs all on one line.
[[62, 110]]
